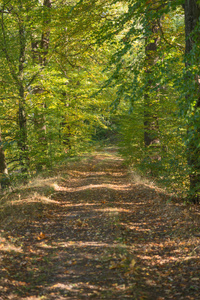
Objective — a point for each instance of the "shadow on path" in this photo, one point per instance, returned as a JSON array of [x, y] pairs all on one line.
[[100, 235]]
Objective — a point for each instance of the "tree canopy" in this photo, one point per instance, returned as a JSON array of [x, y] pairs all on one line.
[[76, 72]]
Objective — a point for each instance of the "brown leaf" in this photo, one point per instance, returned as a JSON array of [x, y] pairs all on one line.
[[41, 236]]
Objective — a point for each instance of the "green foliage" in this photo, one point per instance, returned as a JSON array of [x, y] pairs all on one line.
[[162, 84], [77, 72], [50, 68]]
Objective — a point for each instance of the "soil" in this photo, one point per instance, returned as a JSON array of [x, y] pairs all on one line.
[[101, 233]]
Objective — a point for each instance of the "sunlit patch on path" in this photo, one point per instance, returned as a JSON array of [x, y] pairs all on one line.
[[95, 233], [124, 187]]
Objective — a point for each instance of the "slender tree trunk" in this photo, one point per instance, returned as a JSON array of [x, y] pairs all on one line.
[[39, 113], [4, 178], [22, 139], [17, 73], [46, 32], [151, 126], [192, 15]]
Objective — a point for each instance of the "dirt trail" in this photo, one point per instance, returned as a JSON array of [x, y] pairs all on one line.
[[102, 235]]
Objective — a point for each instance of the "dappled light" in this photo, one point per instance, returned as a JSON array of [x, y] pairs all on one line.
[[92, 186], [99, 150], [98, 236]]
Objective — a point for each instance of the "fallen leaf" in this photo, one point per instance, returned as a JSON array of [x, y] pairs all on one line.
[[132, 264], [41, 236]]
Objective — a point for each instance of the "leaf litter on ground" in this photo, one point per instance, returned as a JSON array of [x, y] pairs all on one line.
[[98, 234]]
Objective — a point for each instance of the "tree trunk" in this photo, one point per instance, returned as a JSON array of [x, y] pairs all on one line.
[[192, 15], [17, 73], [151, 126], [40, 51], [46, 32], [4, 179], [22, 139]]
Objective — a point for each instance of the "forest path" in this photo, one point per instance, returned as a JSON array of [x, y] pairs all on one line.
[[101, 234]]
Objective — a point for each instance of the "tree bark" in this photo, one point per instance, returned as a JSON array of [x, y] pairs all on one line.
[[192, 15], [17, 73], [40, 47], [22, 139], [151, 125], [4, 178], [46, 32]]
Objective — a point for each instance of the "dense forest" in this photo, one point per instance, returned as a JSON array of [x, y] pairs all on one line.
[[74, 73], [99, 149]]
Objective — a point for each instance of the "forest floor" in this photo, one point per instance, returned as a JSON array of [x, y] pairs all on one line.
[[96, 231]]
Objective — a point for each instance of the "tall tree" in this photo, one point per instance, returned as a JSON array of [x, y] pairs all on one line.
[[4, 179], [192, 82], [16, 65], [151, 106], [40, 45]]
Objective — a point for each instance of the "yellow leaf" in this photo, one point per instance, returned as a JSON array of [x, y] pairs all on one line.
[[113, 266], [132, 264]]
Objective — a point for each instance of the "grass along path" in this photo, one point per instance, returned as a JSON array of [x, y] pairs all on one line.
[[95, 232]]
